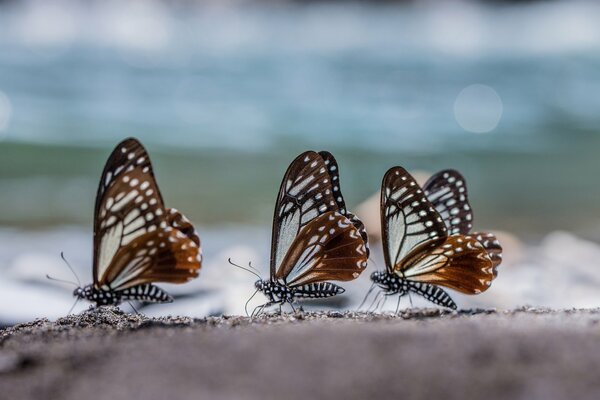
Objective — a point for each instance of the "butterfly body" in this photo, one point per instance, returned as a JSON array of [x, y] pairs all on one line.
[[392, 284], [279, 293], [107, 297], [315, 239]]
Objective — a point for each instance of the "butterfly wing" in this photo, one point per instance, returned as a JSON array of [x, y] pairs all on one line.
[[447, 191], [305, 193], [492, 246], [136, 239], [408, 219], [334, 174], [330, 247], [459, 262]]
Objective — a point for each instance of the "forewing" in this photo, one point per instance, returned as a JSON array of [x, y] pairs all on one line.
[[306, 192], [408, 219], [328, 248], [447, 191], [492, 245], [459, 262], [334, 174]]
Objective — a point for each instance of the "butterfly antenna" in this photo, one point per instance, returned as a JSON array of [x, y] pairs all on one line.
[[62, 255], [367, 295], [61, 280], [246, 305], [254, 269], [245, 269], [372, 261]]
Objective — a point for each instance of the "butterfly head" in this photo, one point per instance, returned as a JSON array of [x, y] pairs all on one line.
[[259, 285], [83, 293], [389, 282]]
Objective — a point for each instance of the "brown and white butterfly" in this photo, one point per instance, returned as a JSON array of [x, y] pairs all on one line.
[[426, 239], [137, 241], [315, 239]]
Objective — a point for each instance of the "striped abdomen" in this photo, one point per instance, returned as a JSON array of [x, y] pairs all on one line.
[[432, 293], [318, 290], [146, 292]]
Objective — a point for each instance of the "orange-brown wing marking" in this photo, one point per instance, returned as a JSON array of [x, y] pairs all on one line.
[[458, 262], [158, 256], [330, 247]]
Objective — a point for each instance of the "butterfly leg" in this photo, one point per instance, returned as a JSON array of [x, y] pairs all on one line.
[[382, 302], [257, 310], [398, 305], [371, 309], [366, 296]]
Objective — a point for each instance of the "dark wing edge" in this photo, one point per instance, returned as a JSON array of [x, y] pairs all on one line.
[[447, 191], [491, 244], [334, 173]]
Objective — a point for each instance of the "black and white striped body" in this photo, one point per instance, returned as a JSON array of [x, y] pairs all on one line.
[[278, 293], [393, 284], [146, 292]]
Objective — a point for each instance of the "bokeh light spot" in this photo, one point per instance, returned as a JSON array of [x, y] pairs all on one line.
[[478, 108]]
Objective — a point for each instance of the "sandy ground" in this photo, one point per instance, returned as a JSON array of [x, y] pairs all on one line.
[[426, 353]]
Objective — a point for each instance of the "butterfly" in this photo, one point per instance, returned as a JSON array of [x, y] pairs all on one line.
[[427, 241], [315, 238], [137, 241]]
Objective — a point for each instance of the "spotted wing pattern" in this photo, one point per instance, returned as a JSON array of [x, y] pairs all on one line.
[[447, 191], [305, 194], [492, 246], [333, 170], [459, 262], [408, 219], [137, 240], [329, 248]]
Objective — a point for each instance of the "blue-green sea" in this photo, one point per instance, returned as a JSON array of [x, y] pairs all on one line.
[[225, 96]]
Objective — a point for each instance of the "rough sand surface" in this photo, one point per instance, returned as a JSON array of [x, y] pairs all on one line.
[[420, 354]]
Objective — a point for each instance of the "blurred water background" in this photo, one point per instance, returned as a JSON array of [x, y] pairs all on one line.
[[224, 94]]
